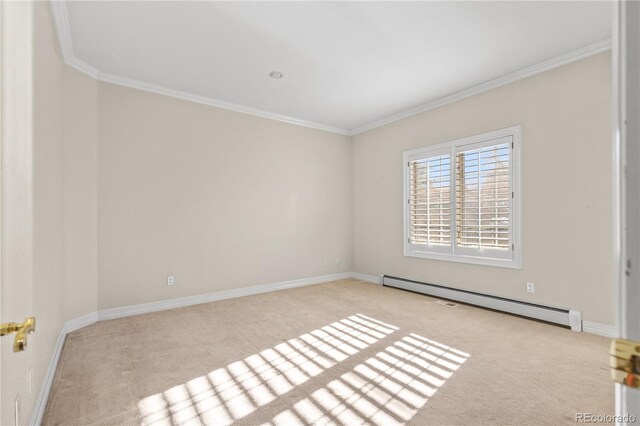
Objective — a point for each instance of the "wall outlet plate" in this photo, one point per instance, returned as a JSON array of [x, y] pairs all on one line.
[[171, 280], [531, 288]]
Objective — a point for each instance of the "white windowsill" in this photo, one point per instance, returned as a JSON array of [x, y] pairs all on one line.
[[474, 260]]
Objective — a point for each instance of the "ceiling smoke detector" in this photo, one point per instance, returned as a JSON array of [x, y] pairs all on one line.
[[276, 74]]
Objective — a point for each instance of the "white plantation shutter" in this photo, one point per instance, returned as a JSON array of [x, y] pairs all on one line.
[[430, 201], [483, 196], [462, 201]]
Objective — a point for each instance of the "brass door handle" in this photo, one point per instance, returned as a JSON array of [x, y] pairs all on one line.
[[21, 330], [624, 361]]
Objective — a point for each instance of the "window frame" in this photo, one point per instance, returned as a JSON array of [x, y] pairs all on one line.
[[454, 253]]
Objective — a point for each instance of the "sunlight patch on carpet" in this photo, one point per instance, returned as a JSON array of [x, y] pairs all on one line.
[[386, 389], [228, 394]]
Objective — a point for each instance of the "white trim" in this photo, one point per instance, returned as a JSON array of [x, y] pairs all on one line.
[[61, 20], [149, 87], [547, 65], [66, 45], [83, 67], [460, 258], [125, 311], [620, 391], [366, 278], [43, 396], [80, 322], [626, 120], [600, 329], [512, 259]]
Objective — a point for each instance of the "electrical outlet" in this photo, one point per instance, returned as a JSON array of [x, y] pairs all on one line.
[[171, 280], [531, 288], [337, 261], [325, 262]]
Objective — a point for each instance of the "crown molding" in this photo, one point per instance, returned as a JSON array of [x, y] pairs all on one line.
[[538, 68], [62, 28], [61, 21], [84, 67], [149, 87]]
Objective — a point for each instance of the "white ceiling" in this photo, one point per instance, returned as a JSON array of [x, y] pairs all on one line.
[[345, 64]]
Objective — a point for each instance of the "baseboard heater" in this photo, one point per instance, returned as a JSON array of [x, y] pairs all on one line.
[[566, 317]]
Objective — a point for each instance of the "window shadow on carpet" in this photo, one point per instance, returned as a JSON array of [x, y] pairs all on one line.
[[387, 388]]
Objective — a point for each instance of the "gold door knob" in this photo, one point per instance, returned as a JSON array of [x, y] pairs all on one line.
[[21, 330], [624, 361]]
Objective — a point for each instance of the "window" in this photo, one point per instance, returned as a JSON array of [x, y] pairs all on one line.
[[462, 200]]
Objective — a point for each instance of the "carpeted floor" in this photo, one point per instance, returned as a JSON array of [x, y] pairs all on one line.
[[344, 352]]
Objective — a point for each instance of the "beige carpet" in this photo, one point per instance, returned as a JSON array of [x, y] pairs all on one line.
[[345, 352]]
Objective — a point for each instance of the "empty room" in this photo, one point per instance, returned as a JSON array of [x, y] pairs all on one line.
[[318, 213]]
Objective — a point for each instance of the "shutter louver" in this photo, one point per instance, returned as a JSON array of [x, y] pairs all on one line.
[[430, 201], [483, 197]]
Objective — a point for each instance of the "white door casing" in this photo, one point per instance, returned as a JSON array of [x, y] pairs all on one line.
[[626, 126]]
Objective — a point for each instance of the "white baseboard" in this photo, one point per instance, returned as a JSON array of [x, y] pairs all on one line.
[[78, 323], [367, 278], [43, 395], [125, 311], [600, 329]]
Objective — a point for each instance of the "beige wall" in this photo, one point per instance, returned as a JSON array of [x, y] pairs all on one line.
[[48, 200], [219, 199], [81, 193], [566, 189]]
